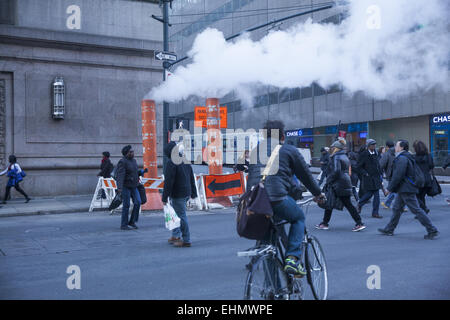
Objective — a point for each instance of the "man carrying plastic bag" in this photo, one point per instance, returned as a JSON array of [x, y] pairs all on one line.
[[170, 217], [179, 185]]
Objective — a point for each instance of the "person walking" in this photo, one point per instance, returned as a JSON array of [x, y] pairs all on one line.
[[179, 185], [339, 180], [324, 161], [243, 163], [15, 174], [386, 163], [355, 168], [402, 183], [127, 183], [426, 164], [278, 186], [371, 178], [353, 171], [447, 164], [106, 167]]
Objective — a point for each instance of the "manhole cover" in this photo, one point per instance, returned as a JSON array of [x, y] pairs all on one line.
[[43, 229]]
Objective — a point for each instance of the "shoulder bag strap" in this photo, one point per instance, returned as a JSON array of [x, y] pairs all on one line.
[[269, 165]]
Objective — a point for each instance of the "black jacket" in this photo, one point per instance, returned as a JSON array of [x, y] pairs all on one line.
[[338, 175], [127, 173], [280, 184], [369, 168], [179, 179], [446, 163], [106, 168], [386, 163], [324, 161], [401, 170], [425, 163]]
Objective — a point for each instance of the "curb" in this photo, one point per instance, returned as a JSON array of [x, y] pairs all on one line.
[[43, 212]]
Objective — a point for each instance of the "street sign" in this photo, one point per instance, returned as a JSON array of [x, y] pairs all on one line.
[[200, 117], [165, 56], [224, 185]]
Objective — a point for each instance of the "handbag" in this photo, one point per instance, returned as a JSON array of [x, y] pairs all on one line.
[[333, 201], [142, 194], [254, 209], [171, 218], [23, 174], [435, 188], [116, 202]]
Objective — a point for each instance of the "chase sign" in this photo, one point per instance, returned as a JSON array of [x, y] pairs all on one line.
[[445, 118]]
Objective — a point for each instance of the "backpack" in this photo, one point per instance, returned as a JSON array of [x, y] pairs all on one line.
[[419, 178]]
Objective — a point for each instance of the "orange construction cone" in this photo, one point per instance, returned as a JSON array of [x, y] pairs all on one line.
[[149, 146]]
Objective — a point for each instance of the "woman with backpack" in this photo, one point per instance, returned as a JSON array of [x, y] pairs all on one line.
[[426, 164], [15, 174]]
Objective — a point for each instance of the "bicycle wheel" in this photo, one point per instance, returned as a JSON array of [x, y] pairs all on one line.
[[316, 269], [266, 280]]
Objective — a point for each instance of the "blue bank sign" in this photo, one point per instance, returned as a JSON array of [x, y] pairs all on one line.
[[443, 118]]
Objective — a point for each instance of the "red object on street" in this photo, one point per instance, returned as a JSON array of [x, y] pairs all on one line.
[[149, 152], [214, 147]]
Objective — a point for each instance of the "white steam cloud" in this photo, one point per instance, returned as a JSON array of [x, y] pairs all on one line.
[[387, 48]]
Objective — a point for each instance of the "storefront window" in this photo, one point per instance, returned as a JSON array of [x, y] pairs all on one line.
[[440, 136]]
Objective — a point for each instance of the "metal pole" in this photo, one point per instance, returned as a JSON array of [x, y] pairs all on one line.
[[166, 65]]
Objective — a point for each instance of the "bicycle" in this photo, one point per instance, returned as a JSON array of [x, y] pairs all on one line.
[[266, 279]]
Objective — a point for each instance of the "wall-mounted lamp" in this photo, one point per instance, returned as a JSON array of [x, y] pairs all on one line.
[[58, 109]]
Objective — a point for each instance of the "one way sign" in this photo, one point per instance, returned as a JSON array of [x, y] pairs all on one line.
[[165, 56], [219, 185]]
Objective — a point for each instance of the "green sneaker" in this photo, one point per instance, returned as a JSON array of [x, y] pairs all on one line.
[[293, 266]]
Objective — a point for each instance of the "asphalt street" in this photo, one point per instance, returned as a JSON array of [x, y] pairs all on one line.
[[35, 252]]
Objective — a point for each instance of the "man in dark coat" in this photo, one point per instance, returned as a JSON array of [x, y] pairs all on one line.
[[402, 183], [386, 164], [106, 166], [370, 171], [179, 185], [127, 183], [324, 161]]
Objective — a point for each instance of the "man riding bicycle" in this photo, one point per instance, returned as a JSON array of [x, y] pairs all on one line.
[[279, 185]]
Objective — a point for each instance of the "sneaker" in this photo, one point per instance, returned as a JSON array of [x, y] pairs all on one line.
[[322, 226], [405, 209], [431, 235], [125, 228], [173, 239], [448, 201], [27, 200], [181, 244], [133, 225], [385, 232], [3, 202], [384, 205], [294, 267], [359, 227], [377, 216]]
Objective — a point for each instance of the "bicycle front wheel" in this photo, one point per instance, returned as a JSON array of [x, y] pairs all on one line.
[[316, 269], [266, 280]]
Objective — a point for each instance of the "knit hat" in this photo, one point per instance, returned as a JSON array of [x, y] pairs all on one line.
[[106, 154], [340, 144], [370, 142], [126, 149]]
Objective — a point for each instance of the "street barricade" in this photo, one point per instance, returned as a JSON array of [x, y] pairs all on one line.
[[109, 186]]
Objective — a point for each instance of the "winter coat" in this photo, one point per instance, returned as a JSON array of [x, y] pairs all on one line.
[[386, 163], [324, 161], [425, 163], [402, 169], [14, 172], [290, 163], [127, 173], [338, 176], [369, 168], [446, 163], [106, 168], [179, 179]]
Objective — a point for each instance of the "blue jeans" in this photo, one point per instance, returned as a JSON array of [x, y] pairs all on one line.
[[288, 210], [179, 205], [132, 193], [389, 199], [376, 200]]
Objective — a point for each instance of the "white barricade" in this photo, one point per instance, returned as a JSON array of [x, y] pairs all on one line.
[[108, 185]]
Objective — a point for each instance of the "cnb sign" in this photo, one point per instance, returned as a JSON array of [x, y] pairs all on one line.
[[444, 118]]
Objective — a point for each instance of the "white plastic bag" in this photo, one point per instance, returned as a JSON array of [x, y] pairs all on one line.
[[319, 176], [170, 217]]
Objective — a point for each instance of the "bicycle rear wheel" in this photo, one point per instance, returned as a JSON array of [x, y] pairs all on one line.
[[266, 280], [316, 269]]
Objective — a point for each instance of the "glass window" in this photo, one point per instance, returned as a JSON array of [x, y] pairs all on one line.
[[7, 11], [318, 90], [334, 89], [306, 92], [273, 98], [284, 95], [295, 94]]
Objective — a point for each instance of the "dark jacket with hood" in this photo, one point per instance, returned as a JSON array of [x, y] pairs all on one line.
[[425, 163], [281, 184], [386, 162], [446, 163], [106, 168], [369, 168], [179, 179], [127, 173], [338, 176], [402, 170], [324, 161]]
